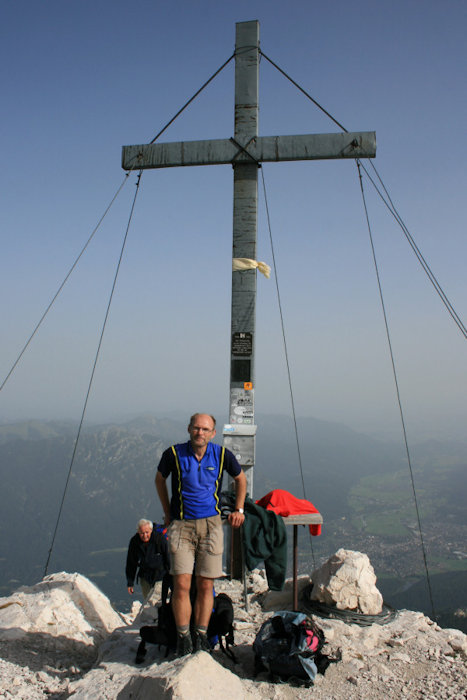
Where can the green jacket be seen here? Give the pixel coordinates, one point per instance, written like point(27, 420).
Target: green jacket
point(265, 539)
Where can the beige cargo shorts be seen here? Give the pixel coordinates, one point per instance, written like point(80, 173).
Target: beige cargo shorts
point(196, 543)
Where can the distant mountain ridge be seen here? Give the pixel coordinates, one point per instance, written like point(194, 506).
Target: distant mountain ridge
point(112, 486)
point(34, 430)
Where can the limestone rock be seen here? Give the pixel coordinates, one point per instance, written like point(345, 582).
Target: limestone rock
point(457, 641)
point(257, 581)
point(283, 600)
point(190, 678)
point(201, 676)
point(347, 580)
point(62, 606)
point(410, 656)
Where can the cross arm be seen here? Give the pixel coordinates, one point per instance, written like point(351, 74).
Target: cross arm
point(361, 144)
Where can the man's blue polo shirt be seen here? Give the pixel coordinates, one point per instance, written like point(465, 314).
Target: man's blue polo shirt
point(196, 486)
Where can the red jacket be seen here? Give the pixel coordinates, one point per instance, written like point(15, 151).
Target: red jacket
point(283, 503)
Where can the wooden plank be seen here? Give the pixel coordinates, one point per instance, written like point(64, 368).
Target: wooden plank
point(306, 519)
point(361, 144)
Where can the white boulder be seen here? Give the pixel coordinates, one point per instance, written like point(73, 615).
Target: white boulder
point(347, 581)
point(61, 606)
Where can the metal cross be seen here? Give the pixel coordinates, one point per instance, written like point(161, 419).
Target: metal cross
point(245, 151)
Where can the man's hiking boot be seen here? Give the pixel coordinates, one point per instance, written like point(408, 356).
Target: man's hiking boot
point(184, 645)
point(201, 642)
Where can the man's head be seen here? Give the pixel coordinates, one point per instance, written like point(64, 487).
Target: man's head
point(145, 529)
point(202, 429)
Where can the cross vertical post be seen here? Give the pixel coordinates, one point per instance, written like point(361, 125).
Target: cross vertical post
point(239, 435)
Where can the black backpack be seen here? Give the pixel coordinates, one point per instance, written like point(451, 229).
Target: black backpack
point(164, 633)
point(288, 645)
point(221, 625)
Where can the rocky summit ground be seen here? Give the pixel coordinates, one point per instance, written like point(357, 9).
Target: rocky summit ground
point(62, 639)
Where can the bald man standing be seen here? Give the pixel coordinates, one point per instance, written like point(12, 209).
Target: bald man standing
point(196, 540)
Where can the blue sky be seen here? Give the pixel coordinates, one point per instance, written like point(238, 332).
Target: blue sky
point(80, 79)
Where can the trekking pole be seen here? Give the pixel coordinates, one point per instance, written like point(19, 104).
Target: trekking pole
point(245, 593)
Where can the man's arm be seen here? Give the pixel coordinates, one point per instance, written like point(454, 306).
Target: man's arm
point(236, 519)
point(162, 492)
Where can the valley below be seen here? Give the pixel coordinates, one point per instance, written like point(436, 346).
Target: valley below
point(360, 486)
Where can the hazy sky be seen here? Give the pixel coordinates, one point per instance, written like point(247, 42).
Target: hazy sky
point(80, 79)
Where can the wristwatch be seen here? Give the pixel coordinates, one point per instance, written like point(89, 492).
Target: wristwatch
point(239, 510)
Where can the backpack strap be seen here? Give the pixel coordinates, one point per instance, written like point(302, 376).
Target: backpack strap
point(166, 586)
point(226, 649)
point(219, 478)
point(179, 479)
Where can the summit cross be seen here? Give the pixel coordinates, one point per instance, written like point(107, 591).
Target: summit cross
point(245, 151)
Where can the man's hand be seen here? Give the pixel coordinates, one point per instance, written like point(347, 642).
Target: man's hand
point(236, 519)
